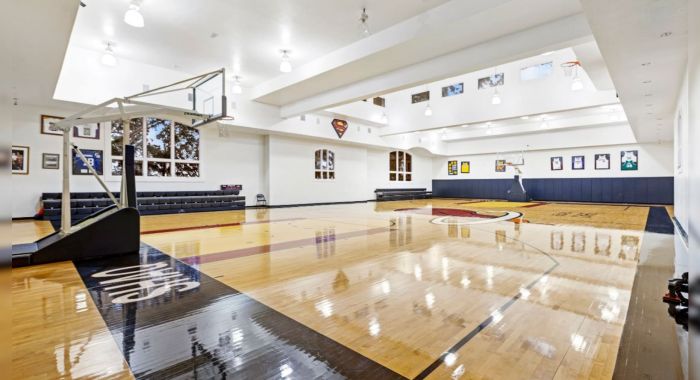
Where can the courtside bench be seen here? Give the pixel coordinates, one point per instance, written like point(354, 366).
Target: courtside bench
point(402, 194)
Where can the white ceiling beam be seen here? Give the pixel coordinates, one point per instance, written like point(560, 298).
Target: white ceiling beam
point(554, 35)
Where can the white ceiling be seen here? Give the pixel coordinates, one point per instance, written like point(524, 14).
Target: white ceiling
point(37, 34)
point(249, 34)
point(646, 66)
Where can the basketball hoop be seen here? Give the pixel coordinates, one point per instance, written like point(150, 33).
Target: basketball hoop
point(570, 66)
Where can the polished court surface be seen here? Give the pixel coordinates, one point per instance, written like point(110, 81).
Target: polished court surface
point(401, 289)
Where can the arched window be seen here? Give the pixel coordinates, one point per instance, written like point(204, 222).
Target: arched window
point(400, 166)
point(325, 164)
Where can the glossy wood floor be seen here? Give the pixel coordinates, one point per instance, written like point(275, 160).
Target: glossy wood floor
point(550, 294)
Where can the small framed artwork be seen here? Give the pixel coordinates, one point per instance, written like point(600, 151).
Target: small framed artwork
point(452, 90)
point(87, 131)
point(500, 166)
point(20, 160)
point(46, 125)
point(452, 167)
point(420, 97)
point(629, 160)
point(494, 80)
point(464, 167)
point(578, 162)
point(602, 161)
point(556, 163)
point(93, 157)
point(50, 161)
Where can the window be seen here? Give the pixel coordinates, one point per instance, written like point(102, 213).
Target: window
point(171, 149)
point(536, 72)
point(400, 166)
point(325, 164)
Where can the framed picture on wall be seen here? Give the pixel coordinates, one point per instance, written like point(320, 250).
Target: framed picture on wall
point(629, 160)
point(452, 167)
point(500, 166)
point(46, 125)
point(497, 79)
point(556, 163)
point(602, 161)
point(93, 157)
point(50, 161)
point(578, 162)
point(20, 160)
point(464, 167)
point(420, 97)
point(87, 131)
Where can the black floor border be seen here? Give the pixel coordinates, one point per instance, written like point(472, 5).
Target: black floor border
point(313, 354)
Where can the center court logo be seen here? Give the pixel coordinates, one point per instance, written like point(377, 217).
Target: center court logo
point(142, 282)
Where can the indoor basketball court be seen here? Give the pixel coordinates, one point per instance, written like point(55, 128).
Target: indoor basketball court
point(433, 189)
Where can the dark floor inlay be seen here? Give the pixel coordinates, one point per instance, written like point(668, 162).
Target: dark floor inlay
point(172, 321)
point(658, 221)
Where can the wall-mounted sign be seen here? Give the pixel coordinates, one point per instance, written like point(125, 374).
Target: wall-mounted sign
point(340, 126)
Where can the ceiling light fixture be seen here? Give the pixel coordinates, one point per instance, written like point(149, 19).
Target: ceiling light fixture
point(236, 88)
point(576, 83)
point(384, 119)
point(428, 111)
point(108, 58)
point(133, 15)
point(363, 20)
point(524, 117)
point(286, 64)
point(496, 98)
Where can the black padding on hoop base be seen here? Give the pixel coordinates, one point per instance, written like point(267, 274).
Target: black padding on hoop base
point(516, 193)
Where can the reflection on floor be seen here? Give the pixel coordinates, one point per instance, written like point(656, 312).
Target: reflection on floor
point(544, 296)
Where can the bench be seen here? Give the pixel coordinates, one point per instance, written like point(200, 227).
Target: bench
point(148, 203)
point(402, 194)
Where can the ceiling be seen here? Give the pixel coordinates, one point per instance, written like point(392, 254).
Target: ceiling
point(37, 44)
point(644, 44)
point(241, 35)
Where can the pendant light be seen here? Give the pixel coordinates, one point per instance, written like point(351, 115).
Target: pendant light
point(496, 98)
point(108, 58)
point(286, 64)
point(133, 15)
point(428, 111)
point(236, 88)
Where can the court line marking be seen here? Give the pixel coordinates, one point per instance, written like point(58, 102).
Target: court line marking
point(485, 323)
point(177, 229)
point(508, 216)
point(269, 248)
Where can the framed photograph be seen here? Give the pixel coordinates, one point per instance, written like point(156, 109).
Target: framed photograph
point(420, 97)
point(490, 81)
point(47, 128)
point(556, 163)
point(20, 160)
point(578, 162)
point(602, 161)
point(451, 90)
point(94, 157)
point(50, 161)
point(500, 166)
point(87, 131)
point(452, 167)
point(629, 160)
point(464, 167)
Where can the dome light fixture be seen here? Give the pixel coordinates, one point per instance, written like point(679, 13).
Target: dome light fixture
point(496, 98)
point(428, 111)
point(133, 15)
point(286, 64)
point(108, 58)
point(236, 88)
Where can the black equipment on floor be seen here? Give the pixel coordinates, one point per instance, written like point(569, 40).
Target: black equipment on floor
point(114, 230)
point(677, 300)
point(516, 193)
point(402, 194)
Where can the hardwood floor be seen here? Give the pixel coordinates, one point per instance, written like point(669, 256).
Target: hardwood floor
point(544, 296)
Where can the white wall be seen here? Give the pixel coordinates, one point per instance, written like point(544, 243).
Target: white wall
point(655, 160)
point(359, 171)
point(236, 159)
